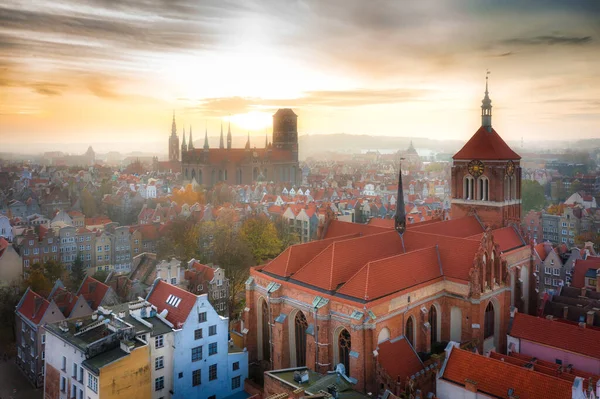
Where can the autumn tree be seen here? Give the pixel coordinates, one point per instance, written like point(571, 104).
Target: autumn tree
point(188, 196)
point(260, 235)
point(53, 270)
point(533, 196)
point(285, 233)
point(181, 241)
point(37, 280)
point(588, 236)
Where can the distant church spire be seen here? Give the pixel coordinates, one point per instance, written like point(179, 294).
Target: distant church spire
point(191, 142)
point(173, 126)
point(400, 218)
point(229, 136)
point(486, 107)
point(221, 143)
point(248, 142)
point(266, 139)
point(184, 145)
point(206, 139)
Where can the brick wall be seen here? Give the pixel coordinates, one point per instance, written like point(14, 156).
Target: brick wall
point(51, 383)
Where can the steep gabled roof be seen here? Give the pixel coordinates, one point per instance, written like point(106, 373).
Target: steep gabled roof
point(555, 334)
point(494, 377)
point(340, 229)
point(486, 145)
point(581, 268)
point(178, 311)
point(399, 359)
point(33, 306)
point(93, 291)
point(461, 227)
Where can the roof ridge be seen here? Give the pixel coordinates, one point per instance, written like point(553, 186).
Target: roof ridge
point(368, 265)
point(287, 263)
point(331, 264)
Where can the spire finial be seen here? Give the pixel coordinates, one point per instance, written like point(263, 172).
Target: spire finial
point(248, 142)
point(221, 142)
point(173, 126)
point(486, 106)
point(400, 218)
point(206, 138)
point(229, 134)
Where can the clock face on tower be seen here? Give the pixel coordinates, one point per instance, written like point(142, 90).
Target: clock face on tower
point(476, 168)
point(510, 168)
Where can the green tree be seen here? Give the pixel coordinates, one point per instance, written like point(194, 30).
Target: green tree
point(181, 240)
point(285, 233)
point(53, 270)
point(78, 273)
point(260, 235)
point(575, 187)
point(88, 204)
point(533, 196)
point(9, 298)
point(101, 275)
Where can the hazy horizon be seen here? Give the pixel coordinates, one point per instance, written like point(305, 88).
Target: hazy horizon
point(97, 72)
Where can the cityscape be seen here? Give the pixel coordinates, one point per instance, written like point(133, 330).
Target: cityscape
point(423, 226)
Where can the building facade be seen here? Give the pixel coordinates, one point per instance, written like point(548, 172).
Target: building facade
point(205, 365)
point(277, 161)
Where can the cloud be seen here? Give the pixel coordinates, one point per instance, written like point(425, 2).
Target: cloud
point(545, 40)
point(48, 89)
point(220, 107)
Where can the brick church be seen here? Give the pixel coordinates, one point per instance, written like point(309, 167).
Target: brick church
point(276, 162)
point(339, 299)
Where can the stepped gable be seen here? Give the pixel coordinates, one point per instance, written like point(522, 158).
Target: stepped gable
point(555, 334)
point(296, 256)
point(507, 238)
point(386, 276)
point(486, 145)
point(177, 315)
point(495, 378)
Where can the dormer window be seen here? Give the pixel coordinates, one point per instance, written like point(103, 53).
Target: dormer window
point(173, 300)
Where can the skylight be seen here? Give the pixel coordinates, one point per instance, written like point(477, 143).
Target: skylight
point(173, 300)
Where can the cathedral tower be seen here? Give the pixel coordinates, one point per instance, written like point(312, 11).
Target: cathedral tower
point(486, 175)
point(174, 142)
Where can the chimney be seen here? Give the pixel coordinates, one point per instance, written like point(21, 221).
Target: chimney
point(589, 320)
point(565, 312)
point(470, 385)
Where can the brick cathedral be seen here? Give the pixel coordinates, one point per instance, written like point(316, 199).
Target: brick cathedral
point(277, 161)
point(363, 289)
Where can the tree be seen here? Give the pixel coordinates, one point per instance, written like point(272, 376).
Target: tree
point(575, 188)
point(88, 204)
point(9, 298)
point(78, 273)
point(260, 235)
point(53, 270)
point(285, 233)
point(37, 280)
point(588, 236)
point(181, 240)
point(100, 275)
point(533, 195)
point(188, 196)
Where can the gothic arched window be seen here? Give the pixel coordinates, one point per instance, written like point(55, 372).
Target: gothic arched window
point(488, 326)
point(344, 347)
point(300, 325)
point(433, 324)
point(410, 331)
point(483, 189)
point(468, 188)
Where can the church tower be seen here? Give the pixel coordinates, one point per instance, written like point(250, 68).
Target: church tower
point(173, 142)
point(486, 175)
point(285, 131)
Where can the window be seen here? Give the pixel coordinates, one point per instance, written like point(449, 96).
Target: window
point(174, 280)
point(555, 282)
point(99, 249)
point(198, 333)
point(344, 348)
point(159, 362)
point(212, 349)
point(64, 364)
point(212, 372)
point(556, 272)
point(212, 330)
point(80, 374)
point(410, 331)
point(43, 355)
point(74, 373)
point(50, 240)
point(93, 383)
point(564, 232)
point(547, 270)
point(159, 383)
point(82, 247)
point(488, 326)
point(548, 281)
point(73, 391)
point(158, 342)
point(235, 382)
point(202, 317)
point(106, 247)
point(300, 326)
point(235, 366)
point(180, 374)
point(196, 378)
point(63, 384)
point(196, 353)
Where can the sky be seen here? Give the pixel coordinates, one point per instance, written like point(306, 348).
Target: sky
point(112, 72)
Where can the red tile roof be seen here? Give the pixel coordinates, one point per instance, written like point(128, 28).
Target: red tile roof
point(386, 276)
point(93, 291)
point(65, 300)
point(581, 268)
point(461, 227)
point(494, 377)
point(399, 359)
point(506, 237)
point(540, 249)
point(207, 271)
point(557, 335)
point(385, 223)
point(176, 315)
point(33, 307)
point(486, 146)
point(339, 229)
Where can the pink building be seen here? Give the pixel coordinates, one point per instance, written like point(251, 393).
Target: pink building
point(557, 341)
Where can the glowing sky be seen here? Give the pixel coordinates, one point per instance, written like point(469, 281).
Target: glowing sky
point(88, 71)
